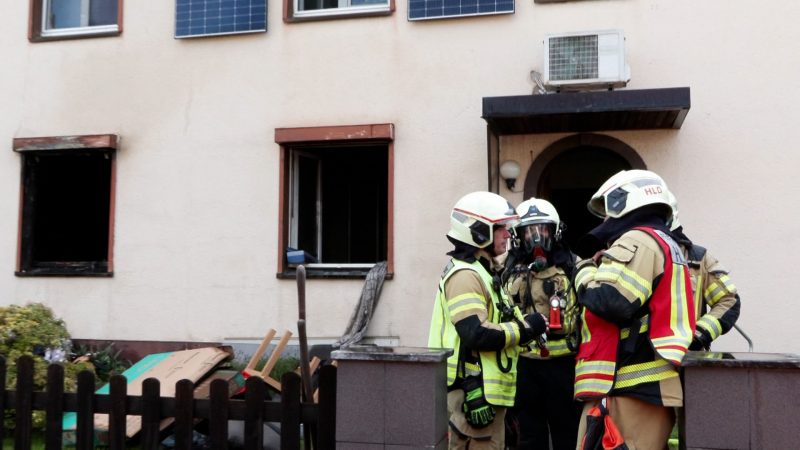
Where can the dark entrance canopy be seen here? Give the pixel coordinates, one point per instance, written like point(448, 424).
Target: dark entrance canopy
point(580, 112)
point(643, 109)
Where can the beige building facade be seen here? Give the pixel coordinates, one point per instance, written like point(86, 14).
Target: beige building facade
point(351, 138)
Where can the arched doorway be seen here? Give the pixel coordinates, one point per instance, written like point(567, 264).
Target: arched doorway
point(569, 171)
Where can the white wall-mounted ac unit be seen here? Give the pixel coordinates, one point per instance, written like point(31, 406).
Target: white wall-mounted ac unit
point(585, 60)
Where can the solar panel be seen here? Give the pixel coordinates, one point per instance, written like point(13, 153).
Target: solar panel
point(214, 17)
point(441, 9)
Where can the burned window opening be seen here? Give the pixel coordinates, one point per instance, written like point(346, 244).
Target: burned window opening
point(66, 207)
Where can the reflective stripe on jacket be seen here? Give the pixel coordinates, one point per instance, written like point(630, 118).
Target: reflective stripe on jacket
point(672, 315)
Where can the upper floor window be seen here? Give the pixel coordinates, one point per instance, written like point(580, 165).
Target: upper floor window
point(66, 210)
point(297, 10)
point(61, 19)
point(336, 194)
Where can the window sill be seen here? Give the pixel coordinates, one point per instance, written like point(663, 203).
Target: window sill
point(76, 269)
point(65, 35)
point(333, 14)
point(291, 274)
point(62, 273)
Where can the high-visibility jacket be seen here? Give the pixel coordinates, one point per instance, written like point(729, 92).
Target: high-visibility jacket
point(668, 327)
point(499, 384)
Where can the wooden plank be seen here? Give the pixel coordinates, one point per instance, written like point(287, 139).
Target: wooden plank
point(54, 411)
point(24, 407)
point(95, 141)
point(333, 363)
point(84, 434)
point(326, 414)
point(290, 411)
point(117, 416)
point(251, 366)
point(218, 420)
point(151, 414)
point(273, 383)
point(254, 413)
point(381, 131)
point(184, 414)
point(276, 354)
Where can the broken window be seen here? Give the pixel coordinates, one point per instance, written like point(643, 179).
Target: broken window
point(66, 211)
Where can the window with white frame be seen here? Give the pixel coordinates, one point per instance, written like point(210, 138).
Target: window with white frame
point(54, 19)
point(320, 9)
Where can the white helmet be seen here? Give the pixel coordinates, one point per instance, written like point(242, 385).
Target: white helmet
point(673, 203)
point(629, 190)
point(539, 224)
point(475, 215)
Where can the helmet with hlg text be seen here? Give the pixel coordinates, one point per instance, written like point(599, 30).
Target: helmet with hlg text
point(539, 224)
point(629, 190)
point(475, 216)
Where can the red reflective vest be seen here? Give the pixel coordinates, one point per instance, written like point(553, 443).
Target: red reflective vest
point(670, 328)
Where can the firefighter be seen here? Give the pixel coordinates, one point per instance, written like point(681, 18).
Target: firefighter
point(537, 282)
point(638, 318)
point(473, 317)
point(716, 300)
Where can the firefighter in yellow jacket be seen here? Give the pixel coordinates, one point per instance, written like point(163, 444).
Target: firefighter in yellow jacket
point(638, 319)
point(536, 280)
point(473, 317)
point(716, 299)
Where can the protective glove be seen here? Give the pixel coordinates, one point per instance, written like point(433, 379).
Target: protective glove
point(701, 340)
point(478, 412)
point(537, 323)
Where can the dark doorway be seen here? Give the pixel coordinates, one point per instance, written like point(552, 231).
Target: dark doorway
point(569, 180)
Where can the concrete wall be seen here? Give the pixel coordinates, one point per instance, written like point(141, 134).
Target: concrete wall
point(197, 189)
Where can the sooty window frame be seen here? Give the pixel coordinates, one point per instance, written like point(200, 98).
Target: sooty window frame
point(66, 212)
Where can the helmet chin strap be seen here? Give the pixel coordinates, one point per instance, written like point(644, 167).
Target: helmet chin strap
point(539, 259)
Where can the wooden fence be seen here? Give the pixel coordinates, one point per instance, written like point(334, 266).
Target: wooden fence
point(318, 419)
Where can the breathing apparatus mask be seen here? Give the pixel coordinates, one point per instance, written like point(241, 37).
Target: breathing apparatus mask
point(537, 239)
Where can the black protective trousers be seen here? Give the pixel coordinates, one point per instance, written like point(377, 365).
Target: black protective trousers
point(544, 406)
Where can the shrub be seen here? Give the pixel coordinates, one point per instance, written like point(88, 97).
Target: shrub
point(34, 331)
point(106, 361)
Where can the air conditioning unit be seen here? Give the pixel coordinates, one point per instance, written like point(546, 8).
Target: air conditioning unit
point(585, 61)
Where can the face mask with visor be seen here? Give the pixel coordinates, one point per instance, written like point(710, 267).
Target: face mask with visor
point(537, 235)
